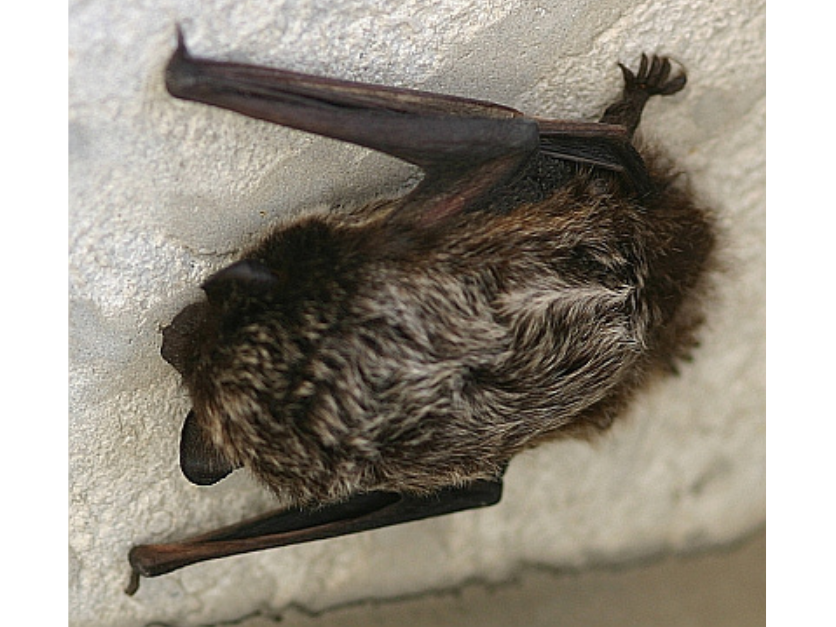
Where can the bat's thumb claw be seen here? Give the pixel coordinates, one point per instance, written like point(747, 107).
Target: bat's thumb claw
point(181, 41)
point(133, 584)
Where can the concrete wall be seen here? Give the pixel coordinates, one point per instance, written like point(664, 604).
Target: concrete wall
point(163, 192)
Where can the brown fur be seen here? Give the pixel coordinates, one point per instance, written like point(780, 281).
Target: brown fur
point(390, 358)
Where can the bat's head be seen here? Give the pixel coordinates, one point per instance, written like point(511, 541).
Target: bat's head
point(245, 354)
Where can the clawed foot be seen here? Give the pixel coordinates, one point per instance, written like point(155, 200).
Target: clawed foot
point(652, 77)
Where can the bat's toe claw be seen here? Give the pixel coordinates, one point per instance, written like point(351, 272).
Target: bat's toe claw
point(629, 77)
point(651, 79)
point(654, 77)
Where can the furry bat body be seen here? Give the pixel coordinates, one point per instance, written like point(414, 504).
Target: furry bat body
point(385, 364)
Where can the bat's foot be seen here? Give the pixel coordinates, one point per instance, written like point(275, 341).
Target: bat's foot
point(653, 78)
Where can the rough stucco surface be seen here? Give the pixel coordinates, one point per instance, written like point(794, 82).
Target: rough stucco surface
point(164, 192)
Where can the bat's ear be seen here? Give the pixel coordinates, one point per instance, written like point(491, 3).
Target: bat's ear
point(243, 277)
point(200, 461)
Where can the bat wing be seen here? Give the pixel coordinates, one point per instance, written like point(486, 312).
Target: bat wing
point(362, 512)
point(465, 147)
point(606, 146)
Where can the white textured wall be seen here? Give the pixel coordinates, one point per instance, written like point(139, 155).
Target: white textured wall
point(164, 192)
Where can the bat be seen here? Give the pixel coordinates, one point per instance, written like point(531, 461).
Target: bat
point(384, 364)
